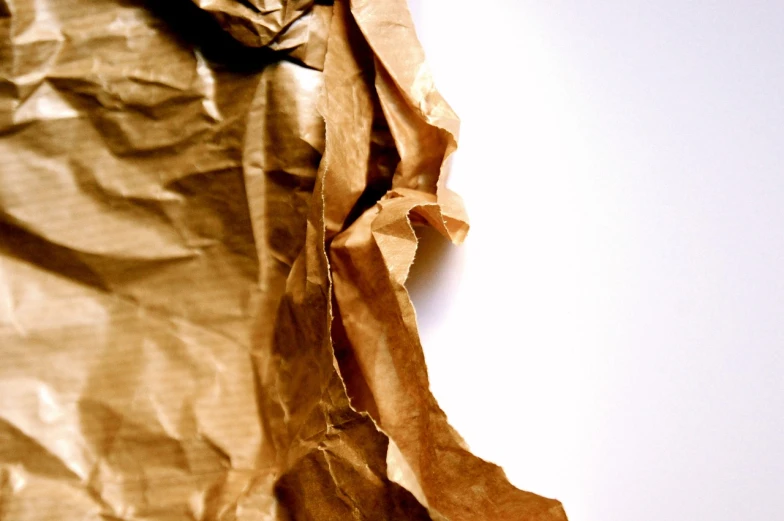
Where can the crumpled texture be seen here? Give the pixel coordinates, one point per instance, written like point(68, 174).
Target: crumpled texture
point(297, 27)
point(207, 215)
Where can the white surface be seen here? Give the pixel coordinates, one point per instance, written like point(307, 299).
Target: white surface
point(612, 331)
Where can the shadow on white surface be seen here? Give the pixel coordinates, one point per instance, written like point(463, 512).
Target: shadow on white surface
point(615, 339)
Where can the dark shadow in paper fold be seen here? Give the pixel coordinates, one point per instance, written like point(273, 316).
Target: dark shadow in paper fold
point(197, 28)
point(59, 260)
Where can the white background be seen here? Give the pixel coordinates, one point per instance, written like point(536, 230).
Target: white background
point(612, 331)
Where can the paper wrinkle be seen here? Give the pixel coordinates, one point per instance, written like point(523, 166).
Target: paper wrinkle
point(259, 24)
point(207, 213)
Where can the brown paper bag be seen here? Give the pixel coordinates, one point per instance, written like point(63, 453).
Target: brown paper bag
point(206, 225)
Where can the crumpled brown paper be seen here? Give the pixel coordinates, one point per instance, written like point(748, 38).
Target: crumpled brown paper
point(206, 225)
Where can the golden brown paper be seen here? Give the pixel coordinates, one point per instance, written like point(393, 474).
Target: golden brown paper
point(206, 225)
